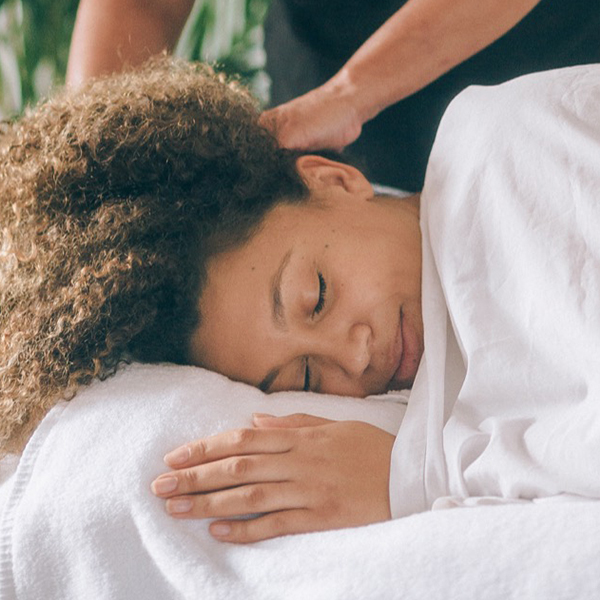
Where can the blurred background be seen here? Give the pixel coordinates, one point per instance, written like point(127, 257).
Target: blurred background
point(35, 37)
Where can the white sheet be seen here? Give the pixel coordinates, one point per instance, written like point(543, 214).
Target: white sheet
point(82, 523)
point(507, 401)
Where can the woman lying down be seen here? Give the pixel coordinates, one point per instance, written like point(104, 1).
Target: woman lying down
point(148, 217)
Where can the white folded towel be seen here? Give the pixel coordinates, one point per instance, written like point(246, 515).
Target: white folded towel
point(81, 522)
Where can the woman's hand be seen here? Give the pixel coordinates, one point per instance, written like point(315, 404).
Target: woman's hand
point(301, 473)
point(324, 118)
point(420, 42)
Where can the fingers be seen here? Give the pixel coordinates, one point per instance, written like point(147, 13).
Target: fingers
point(274, 524)
point(295, 420)
point(225, 473)
point(243, 441)
point(237, 442)
point(301, 473)
point(268, 120)
point(243, 500)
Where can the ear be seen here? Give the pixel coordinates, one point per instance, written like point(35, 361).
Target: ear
point(322, 174)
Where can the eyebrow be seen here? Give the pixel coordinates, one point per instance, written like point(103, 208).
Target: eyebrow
point(276, 302)
point(278, 312)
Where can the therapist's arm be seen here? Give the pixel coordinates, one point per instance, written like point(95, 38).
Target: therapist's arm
point(419, 43)
point(110, 34)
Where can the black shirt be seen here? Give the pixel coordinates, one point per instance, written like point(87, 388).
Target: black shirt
point(308, 41)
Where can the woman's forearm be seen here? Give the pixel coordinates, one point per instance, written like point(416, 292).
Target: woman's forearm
point(418, 44)
point(109, 34)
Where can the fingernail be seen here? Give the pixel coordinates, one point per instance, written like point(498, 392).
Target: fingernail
point(178, 456)
point(262, 416)
point(179, 505)
point(164, 485)
point(220, 529)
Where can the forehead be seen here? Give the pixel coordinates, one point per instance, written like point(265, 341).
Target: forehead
point(236, 303)
point(283, 226)
point(237, 300)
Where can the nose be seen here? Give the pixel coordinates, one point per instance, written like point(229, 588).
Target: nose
point(354, 353)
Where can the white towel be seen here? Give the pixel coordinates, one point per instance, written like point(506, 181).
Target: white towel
point(81, 522)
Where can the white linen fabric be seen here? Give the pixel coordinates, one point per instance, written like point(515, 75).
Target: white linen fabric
point(80, 521)
point(506, 404)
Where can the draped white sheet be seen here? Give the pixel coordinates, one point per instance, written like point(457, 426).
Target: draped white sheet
point(507, 400)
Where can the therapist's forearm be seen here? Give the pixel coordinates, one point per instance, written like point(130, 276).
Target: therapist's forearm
point(419, 43)
point(110, 34)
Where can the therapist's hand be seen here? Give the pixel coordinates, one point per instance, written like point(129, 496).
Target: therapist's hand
point(323, 119)
point(300, 473)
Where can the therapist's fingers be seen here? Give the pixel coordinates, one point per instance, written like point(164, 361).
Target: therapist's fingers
point(321, 118)
point(236, 442)
point(225, 473)
point(243, 500)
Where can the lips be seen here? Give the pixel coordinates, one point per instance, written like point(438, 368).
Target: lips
point(397, 354)
point(397, 377)
point(407, 356)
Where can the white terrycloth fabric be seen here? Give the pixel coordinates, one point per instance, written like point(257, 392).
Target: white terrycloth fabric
point(80, 520)
point(507, 400)
point(81, 523)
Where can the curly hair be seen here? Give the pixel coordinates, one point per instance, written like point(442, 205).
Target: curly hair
point(112, 199)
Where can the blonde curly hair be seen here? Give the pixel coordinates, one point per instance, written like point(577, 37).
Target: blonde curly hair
point(112, 198)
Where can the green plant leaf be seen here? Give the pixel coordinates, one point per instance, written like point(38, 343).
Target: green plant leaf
point(41, 42)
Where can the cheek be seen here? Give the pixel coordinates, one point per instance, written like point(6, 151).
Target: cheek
point(384, 281)
point(372, 274)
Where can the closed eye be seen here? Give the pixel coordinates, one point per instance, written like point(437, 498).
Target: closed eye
point(322, 292)
point(306, 386)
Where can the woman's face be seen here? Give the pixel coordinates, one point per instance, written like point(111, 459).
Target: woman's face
point(325, 297)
